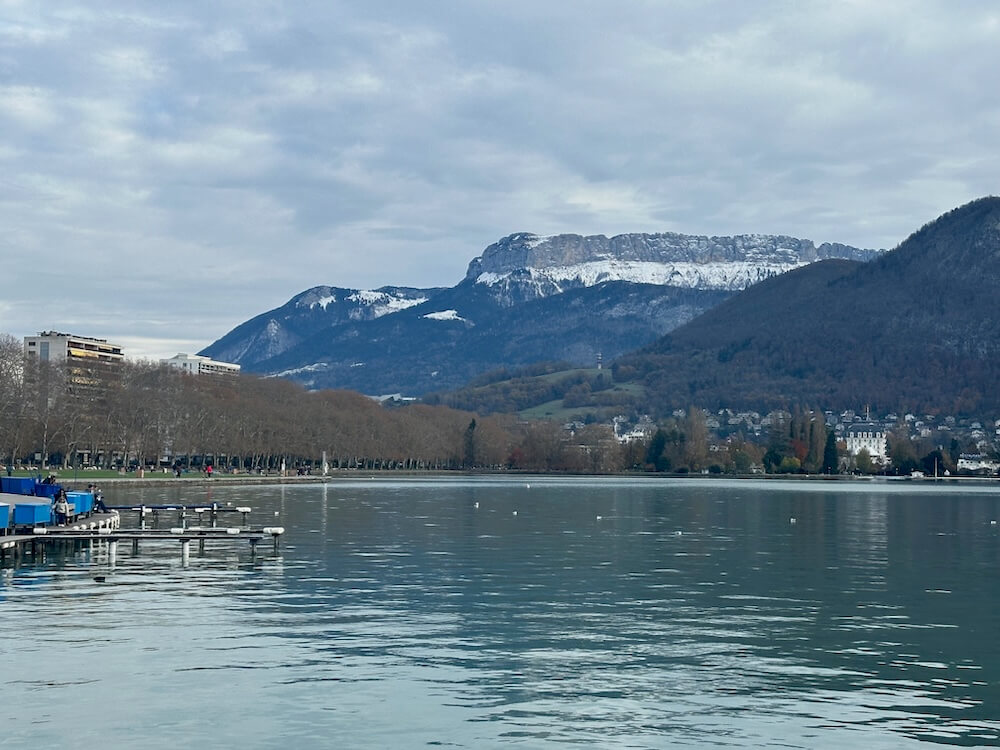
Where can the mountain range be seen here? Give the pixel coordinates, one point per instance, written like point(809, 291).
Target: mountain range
point(525, 299)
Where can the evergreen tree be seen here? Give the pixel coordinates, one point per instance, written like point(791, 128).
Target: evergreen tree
point(654, 454)
point(830, 462)
point(469, 459)
point(817, 443)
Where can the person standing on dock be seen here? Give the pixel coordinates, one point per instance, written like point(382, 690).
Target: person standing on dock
point(61, 507)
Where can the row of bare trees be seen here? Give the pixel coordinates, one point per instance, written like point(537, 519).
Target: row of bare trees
point(147, 414)
point(144, 413)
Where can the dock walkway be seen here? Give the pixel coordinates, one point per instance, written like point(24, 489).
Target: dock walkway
point(105, 527)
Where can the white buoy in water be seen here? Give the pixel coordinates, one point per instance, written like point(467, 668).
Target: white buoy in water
point(477, 505)
point(599, 518)
point(678, 533)
point(791, 520)
point(528, 486)
point(993, 523)
point(515, 512)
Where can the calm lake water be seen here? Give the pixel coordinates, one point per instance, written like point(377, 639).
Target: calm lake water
point(534, 613)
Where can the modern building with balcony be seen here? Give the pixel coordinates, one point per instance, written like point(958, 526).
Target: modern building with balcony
point(86, 362)
point(51, 346)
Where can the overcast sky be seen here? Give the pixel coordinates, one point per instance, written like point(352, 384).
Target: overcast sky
point(171, 169)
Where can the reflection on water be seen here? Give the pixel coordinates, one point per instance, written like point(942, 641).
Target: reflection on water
point(488, 612)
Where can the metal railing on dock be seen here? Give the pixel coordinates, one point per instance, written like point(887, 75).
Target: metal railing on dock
point(211, 511)
point(105, 528)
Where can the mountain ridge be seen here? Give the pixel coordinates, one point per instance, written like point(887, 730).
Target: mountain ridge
point(334, 337)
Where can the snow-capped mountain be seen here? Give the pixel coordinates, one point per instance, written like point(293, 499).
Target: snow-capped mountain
point(314, 310)
point(525, 299)
point(525, 266)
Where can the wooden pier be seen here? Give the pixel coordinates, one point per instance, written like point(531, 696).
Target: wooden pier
point(105, 528)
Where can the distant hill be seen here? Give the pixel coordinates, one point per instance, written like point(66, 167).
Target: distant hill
point(525, 299)
point(916, 329)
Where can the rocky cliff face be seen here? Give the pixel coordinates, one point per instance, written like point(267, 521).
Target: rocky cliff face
point(525, 266)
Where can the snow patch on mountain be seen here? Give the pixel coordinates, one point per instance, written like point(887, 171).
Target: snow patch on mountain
point(524, 266)
point(382, 303)
point(316, 367)
point(444, 315)
point(728, 276)
point(366, 303)
point(533, 240)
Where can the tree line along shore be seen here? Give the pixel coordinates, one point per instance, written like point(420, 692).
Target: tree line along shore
point(148, 416)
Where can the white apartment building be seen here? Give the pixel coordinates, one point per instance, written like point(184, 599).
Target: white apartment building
point(868, 436)
point(195, 364)
point(52, 346)
point(85, 363)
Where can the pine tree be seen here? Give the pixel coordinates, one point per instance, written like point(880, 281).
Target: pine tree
point(654, 453)
point(830, 461)
point(470, 445)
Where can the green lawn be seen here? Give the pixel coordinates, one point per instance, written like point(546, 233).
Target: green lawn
point(88, 475)
point(556, 411)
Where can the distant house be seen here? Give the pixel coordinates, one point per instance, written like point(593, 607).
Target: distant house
point(197, 365)
point(869, 436)
point(977, 464)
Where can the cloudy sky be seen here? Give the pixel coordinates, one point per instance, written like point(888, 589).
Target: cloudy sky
point(171, 169)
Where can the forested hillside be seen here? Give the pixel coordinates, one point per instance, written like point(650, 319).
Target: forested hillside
point(913, 330)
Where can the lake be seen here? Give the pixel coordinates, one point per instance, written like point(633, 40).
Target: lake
point(525, 612)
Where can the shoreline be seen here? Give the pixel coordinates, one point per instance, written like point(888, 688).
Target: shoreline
point(352, 474)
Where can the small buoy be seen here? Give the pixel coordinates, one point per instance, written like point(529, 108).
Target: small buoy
point(677, 533)
point(791, 520)
point(993, 523)
point(515, 512)
point(99, 579)
point(528, 486)
point(477, 505)
point(599, 518)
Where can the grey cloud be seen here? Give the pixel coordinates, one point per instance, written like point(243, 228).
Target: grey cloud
point(200, 163)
